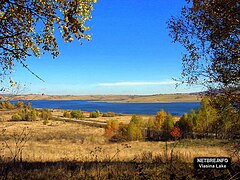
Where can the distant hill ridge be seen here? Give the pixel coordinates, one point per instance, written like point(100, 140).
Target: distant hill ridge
point(179, 97)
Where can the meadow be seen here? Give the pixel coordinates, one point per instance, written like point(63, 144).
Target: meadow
point(67, 149)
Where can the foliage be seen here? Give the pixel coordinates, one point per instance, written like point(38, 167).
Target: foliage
point(137, 120)
point(67, 114)
point(2, 105)
point(209, 31)
point(95, 114)
point(28, 28)
point(27, 114)
point(160, 117)
point(150, 123)
point(16, 117)
point(206, 115)
point(77, 114)
point(167, 126)
point(20, 104)
point(8, 105)
point(45, 114)
point(176, 132)
point(109, 114)
point(111, 128)
point(185, 124)
point(114, 124)
point(134, 132)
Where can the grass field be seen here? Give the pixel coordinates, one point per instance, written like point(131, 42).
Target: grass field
point(58, 140)
point(56, 149)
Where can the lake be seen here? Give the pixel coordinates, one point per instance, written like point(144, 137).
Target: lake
point(175, 108)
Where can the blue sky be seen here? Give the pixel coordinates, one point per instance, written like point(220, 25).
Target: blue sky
point(130, 53)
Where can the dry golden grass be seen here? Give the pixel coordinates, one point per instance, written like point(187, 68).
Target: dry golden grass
point(60, 140)
point(118, 98)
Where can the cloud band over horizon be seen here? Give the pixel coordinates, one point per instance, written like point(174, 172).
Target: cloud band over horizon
point(136, 83)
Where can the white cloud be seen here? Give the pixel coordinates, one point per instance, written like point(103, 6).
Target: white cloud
point(137, 83)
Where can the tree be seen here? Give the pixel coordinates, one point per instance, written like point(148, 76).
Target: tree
point(160, 116)
point(167, 126)
point(206, 115)
point(28, 27)
point(209, 31)
point(134, 132)
point(176, 132)
point(137, 120)
point(185, 124)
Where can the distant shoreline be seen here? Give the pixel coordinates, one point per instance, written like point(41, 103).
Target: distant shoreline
point(158, 98)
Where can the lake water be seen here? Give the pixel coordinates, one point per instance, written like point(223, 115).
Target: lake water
point(175, 108)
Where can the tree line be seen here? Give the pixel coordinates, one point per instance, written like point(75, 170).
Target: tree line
point(208, 121)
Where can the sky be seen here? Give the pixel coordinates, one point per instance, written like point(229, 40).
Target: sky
point(131, 52)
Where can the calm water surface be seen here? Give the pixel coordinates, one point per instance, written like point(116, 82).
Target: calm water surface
point(176, 108)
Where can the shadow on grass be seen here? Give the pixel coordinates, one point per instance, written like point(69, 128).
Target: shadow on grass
point(112, 170)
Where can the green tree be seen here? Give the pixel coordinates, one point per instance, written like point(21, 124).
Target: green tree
point(28, 28)
point(134, 132)
point(167, 126)
point(192, 116)
point(137, 120)
point(185, 124)
point(206, 115)
point(150, 123)
point(209, 31)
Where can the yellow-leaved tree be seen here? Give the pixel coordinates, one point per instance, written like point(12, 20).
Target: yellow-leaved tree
point(27, 28)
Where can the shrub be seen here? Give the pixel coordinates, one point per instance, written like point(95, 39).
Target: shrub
point(67, 114)
point(45, 122)
point(95, 114)
point(20, 104)
point(16, 117)
point(8, 105)
point(109, 114)
point(28, 114)
point(77, 114)
point(46, 114)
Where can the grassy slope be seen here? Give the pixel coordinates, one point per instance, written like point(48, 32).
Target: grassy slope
point(119, 98)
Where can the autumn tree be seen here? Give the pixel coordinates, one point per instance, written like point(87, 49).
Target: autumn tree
point(134, 128)
point(160, 117)
point(27, 28)
point(209, 31)
point(206, 115)
point(176, 132)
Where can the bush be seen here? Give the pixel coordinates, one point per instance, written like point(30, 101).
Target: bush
point(46, 114)
point(109, 114)
point(16, 117)
point(77, 114)
point(20, 104)
point(95, 114)
point(8, 105)
point(67, 114)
